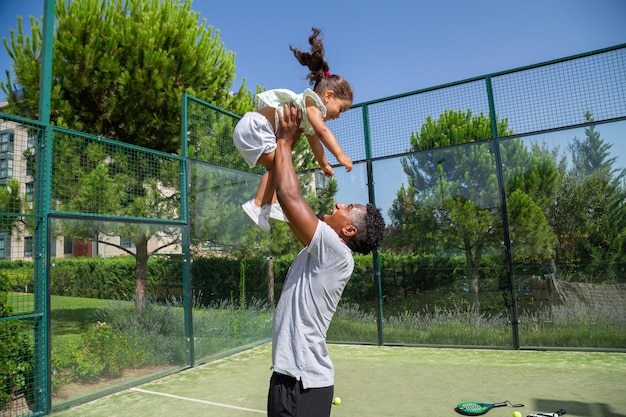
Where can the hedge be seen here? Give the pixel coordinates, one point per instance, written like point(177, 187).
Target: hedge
point(216, 277)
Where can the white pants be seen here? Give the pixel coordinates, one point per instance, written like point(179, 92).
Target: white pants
point(253, 136)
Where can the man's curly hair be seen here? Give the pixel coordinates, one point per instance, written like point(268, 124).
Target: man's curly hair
point(370, 231)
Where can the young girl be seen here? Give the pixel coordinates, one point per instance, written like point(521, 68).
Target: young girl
point(255, 138)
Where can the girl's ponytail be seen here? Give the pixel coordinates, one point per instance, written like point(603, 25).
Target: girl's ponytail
point(319, 72)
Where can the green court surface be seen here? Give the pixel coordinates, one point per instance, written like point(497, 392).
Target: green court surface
point(390, 381)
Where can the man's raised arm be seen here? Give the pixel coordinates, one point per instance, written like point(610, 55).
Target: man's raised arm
point(302, 221)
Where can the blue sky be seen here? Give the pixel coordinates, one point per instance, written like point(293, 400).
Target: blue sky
point(391, 47)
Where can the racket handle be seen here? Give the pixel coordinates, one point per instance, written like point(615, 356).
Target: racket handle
point(555, 414)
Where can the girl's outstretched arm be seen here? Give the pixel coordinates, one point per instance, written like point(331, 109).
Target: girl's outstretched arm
point(327, 137)
point(320, 157)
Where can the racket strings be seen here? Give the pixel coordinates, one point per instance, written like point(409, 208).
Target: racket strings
point(473, 407)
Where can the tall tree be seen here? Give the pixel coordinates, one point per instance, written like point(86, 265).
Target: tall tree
point(589, 214)
point(531, 181)
point(120, 69)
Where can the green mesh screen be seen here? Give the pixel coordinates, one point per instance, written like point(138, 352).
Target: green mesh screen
point(99, 176)
point(224, 282)
point(537, 98)
point(559, 94)
point(391, 121)
point(21, 309)
point(210, 134)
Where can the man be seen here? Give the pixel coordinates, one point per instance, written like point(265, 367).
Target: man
point(302, 383)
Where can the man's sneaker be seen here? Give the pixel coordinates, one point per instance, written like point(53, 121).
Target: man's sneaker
point(259, 215)
point(276, 213)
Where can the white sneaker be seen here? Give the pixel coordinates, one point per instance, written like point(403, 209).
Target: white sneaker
point(259, 215)
point(276, 213)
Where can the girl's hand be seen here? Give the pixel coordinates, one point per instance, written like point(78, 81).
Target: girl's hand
point(327, 169)
point(346, 162)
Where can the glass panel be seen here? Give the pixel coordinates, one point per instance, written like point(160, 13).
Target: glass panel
point(443, 276)
point(116, 313)
point(232, 270)
point(355, 319)
point(571, 293)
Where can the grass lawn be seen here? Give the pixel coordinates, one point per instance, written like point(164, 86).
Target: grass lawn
point(69, 315)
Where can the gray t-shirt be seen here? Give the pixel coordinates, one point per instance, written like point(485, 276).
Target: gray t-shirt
point(310, 295)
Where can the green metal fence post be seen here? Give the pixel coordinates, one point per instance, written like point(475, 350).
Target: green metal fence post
point(372, 199)
point(45, 77)
point(184, 207)
point(42, 345)
point(505, 220)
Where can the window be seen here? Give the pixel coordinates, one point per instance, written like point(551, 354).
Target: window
point(126, 242)
point(30, 189)
point(30, 162)
point(68, 245)
point(31, 142)
point(28, 247)
point(6, 168)
point(3, 241)
point(6, 141)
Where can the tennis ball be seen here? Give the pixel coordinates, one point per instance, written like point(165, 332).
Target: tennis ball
point(337, 401)
point(517, 414)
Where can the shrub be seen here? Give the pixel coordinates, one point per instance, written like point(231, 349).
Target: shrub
point(101, 351)
point(18, 279)
point(16, 357)
point(112, 278)
point(218, 278)
point(93, 277)
point(158, 328)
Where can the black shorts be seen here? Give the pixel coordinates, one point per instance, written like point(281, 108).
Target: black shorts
point(287, 398)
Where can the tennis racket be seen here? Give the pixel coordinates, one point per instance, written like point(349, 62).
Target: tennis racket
point(473, 408)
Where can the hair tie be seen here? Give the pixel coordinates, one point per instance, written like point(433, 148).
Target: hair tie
point(327, 73)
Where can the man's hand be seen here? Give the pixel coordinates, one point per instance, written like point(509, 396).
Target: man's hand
point(288, 128)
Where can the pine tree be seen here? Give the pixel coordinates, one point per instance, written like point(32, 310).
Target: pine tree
point(590, 211)
point(121, 67)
